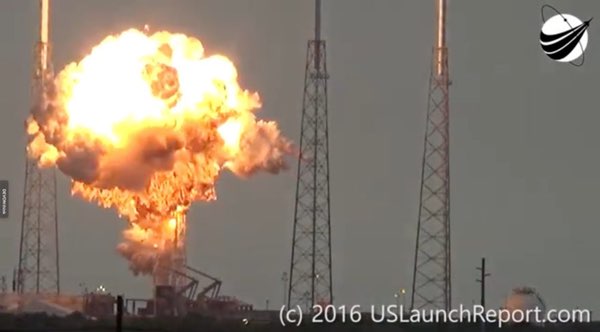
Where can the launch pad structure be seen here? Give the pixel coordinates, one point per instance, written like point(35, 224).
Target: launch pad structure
point(174, 259)
point(311, 280)
point(175, 282)
point(38, 262)
point(431, 288)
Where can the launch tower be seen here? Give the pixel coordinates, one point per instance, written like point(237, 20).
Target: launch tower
point(310, 268)
point(431, 287)
point(38, 270)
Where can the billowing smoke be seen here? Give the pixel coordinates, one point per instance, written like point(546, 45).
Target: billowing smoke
point(145, 124)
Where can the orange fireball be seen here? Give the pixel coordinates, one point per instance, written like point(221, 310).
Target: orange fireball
point(145, 124)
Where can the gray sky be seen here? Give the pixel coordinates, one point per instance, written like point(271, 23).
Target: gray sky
point(523, 148)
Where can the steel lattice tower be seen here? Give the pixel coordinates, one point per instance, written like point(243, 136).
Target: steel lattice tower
point(432, 279)
point(310, 270)
point(38, 251)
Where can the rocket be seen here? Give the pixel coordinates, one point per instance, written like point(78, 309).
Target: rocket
point(43, 48)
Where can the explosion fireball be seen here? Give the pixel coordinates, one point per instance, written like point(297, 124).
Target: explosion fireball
point(145, 124)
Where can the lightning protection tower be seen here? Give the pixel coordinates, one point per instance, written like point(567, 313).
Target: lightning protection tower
point(38, 250)
point(310, 268)
point(431, 287)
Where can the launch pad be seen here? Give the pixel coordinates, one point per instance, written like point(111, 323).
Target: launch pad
point(200, 293)
point(218, 130)
point(178, 289)
point(173, 300)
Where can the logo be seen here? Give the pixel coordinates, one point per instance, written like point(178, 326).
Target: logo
point(3, 199)
point(564, 37)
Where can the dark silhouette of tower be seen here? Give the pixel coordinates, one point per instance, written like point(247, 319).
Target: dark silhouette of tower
point(310, 268)
point(431, 275)
point(481, 280)
point(38, 250)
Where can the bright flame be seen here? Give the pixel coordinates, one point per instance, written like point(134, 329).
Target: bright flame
point(230, 132)
point(172, 224)
point(145, 124)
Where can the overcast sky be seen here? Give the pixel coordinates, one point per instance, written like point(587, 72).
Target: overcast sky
point(524, 157)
